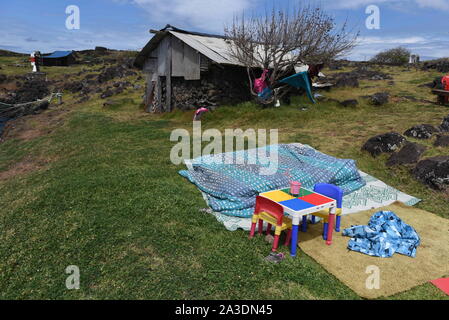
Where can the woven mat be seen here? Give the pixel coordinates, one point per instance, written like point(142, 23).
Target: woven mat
point(398, 273)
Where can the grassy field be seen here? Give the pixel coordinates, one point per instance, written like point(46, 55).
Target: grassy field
point(99, 191)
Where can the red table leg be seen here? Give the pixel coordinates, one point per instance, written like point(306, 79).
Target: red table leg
point(330, 229)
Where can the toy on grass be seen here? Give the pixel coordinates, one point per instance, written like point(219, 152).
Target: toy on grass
point(273, 213)
point(199, 112)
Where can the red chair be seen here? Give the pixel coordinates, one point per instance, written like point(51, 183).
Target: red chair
point(273, 214)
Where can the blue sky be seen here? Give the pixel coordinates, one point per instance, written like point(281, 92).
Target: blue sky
point(25, 26)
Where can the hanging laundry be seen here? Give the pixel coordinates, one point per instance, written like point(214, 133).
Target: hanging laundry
point(300, 80)
point(266, 94)
point(260, 84)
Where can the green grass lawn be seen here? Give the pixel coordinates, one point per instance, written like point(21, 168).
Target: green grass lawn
point(110, 201)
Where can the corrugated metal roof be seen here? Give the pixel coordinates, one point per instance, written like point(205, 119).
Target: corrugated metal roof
point(216, 49)
point(59, 54)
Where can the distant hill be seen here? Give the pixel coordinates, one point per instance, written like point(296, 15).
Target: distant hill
point(7, 53)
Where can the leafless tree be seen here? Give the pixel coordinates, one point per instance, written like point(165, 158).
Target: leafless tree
point(282, 39)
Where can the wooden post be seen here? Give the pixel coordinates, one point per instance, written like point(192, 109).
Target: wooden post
point(168, 68)
point(149, 96)
point(158, 107)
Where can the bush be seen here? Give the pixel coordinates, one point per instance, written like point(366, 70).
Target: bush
point(395, 56)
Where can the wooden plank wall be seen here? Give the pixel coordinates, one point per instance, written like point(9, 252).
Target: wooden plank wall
point(177, 57)
point(191, 63)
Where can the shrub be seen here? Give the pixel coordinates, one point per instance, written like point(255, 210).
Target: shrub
point(395, 56)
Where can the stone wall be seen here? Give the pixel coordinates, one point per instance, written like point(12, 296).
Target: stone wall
point(219, 85)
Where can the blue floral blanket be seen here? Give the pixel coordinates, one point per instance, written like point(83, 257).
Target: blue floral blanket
point(231, 189)
point(384, 235)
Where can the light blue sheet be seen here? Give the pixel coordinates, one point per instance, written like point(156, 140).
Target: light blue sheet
point(231, 189)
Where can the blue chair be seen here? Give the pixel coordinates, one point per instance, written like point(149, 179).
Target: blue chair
point(334, 192)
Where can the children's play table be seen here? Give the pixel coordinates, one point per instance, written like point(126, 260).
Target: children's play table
point(303, 204)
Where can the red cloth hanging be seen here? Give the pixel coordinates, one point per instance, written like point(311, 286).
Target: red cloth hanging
point(445, 82)
point(260, 83)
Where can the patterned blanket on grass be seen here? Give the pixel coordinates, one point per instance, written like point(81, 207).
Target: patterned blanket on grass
point(231, 189)
point(384, 235)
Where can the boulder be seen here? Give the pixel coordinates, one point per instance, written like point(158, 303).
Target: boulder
point(349, 103)
point(410, 153)
point(441, 65)
point(346, 81)
point(108, 93)
point(433, 172)
point(387, 142)
point(421, 131)
point(112, 72)
point(444, 126)
point(379, 98)
point(442, 141)
point(74, 86)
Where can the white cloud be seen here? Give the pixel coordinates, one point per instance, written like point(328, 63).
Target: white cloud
point(424, 46)
point(434, 4)
point(391, 40)
point(205, 15)
point(354, 4)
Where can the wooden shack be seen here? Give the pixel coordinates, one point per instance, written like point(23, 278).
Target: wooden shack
point(186, 70)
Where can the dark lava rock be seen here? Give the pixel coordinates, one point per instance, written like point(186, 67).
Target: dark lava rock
point(108, 93)
point(441, 65)
point(442, 141)
point(379, 98)
point(28, 91)
point(410, 153)
point(346, 80)
point(444, 126)
point(74, 86)
point(112, 72)
point(422, 131)
point(387, 142)
point(349, 103)
point(433, 172)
